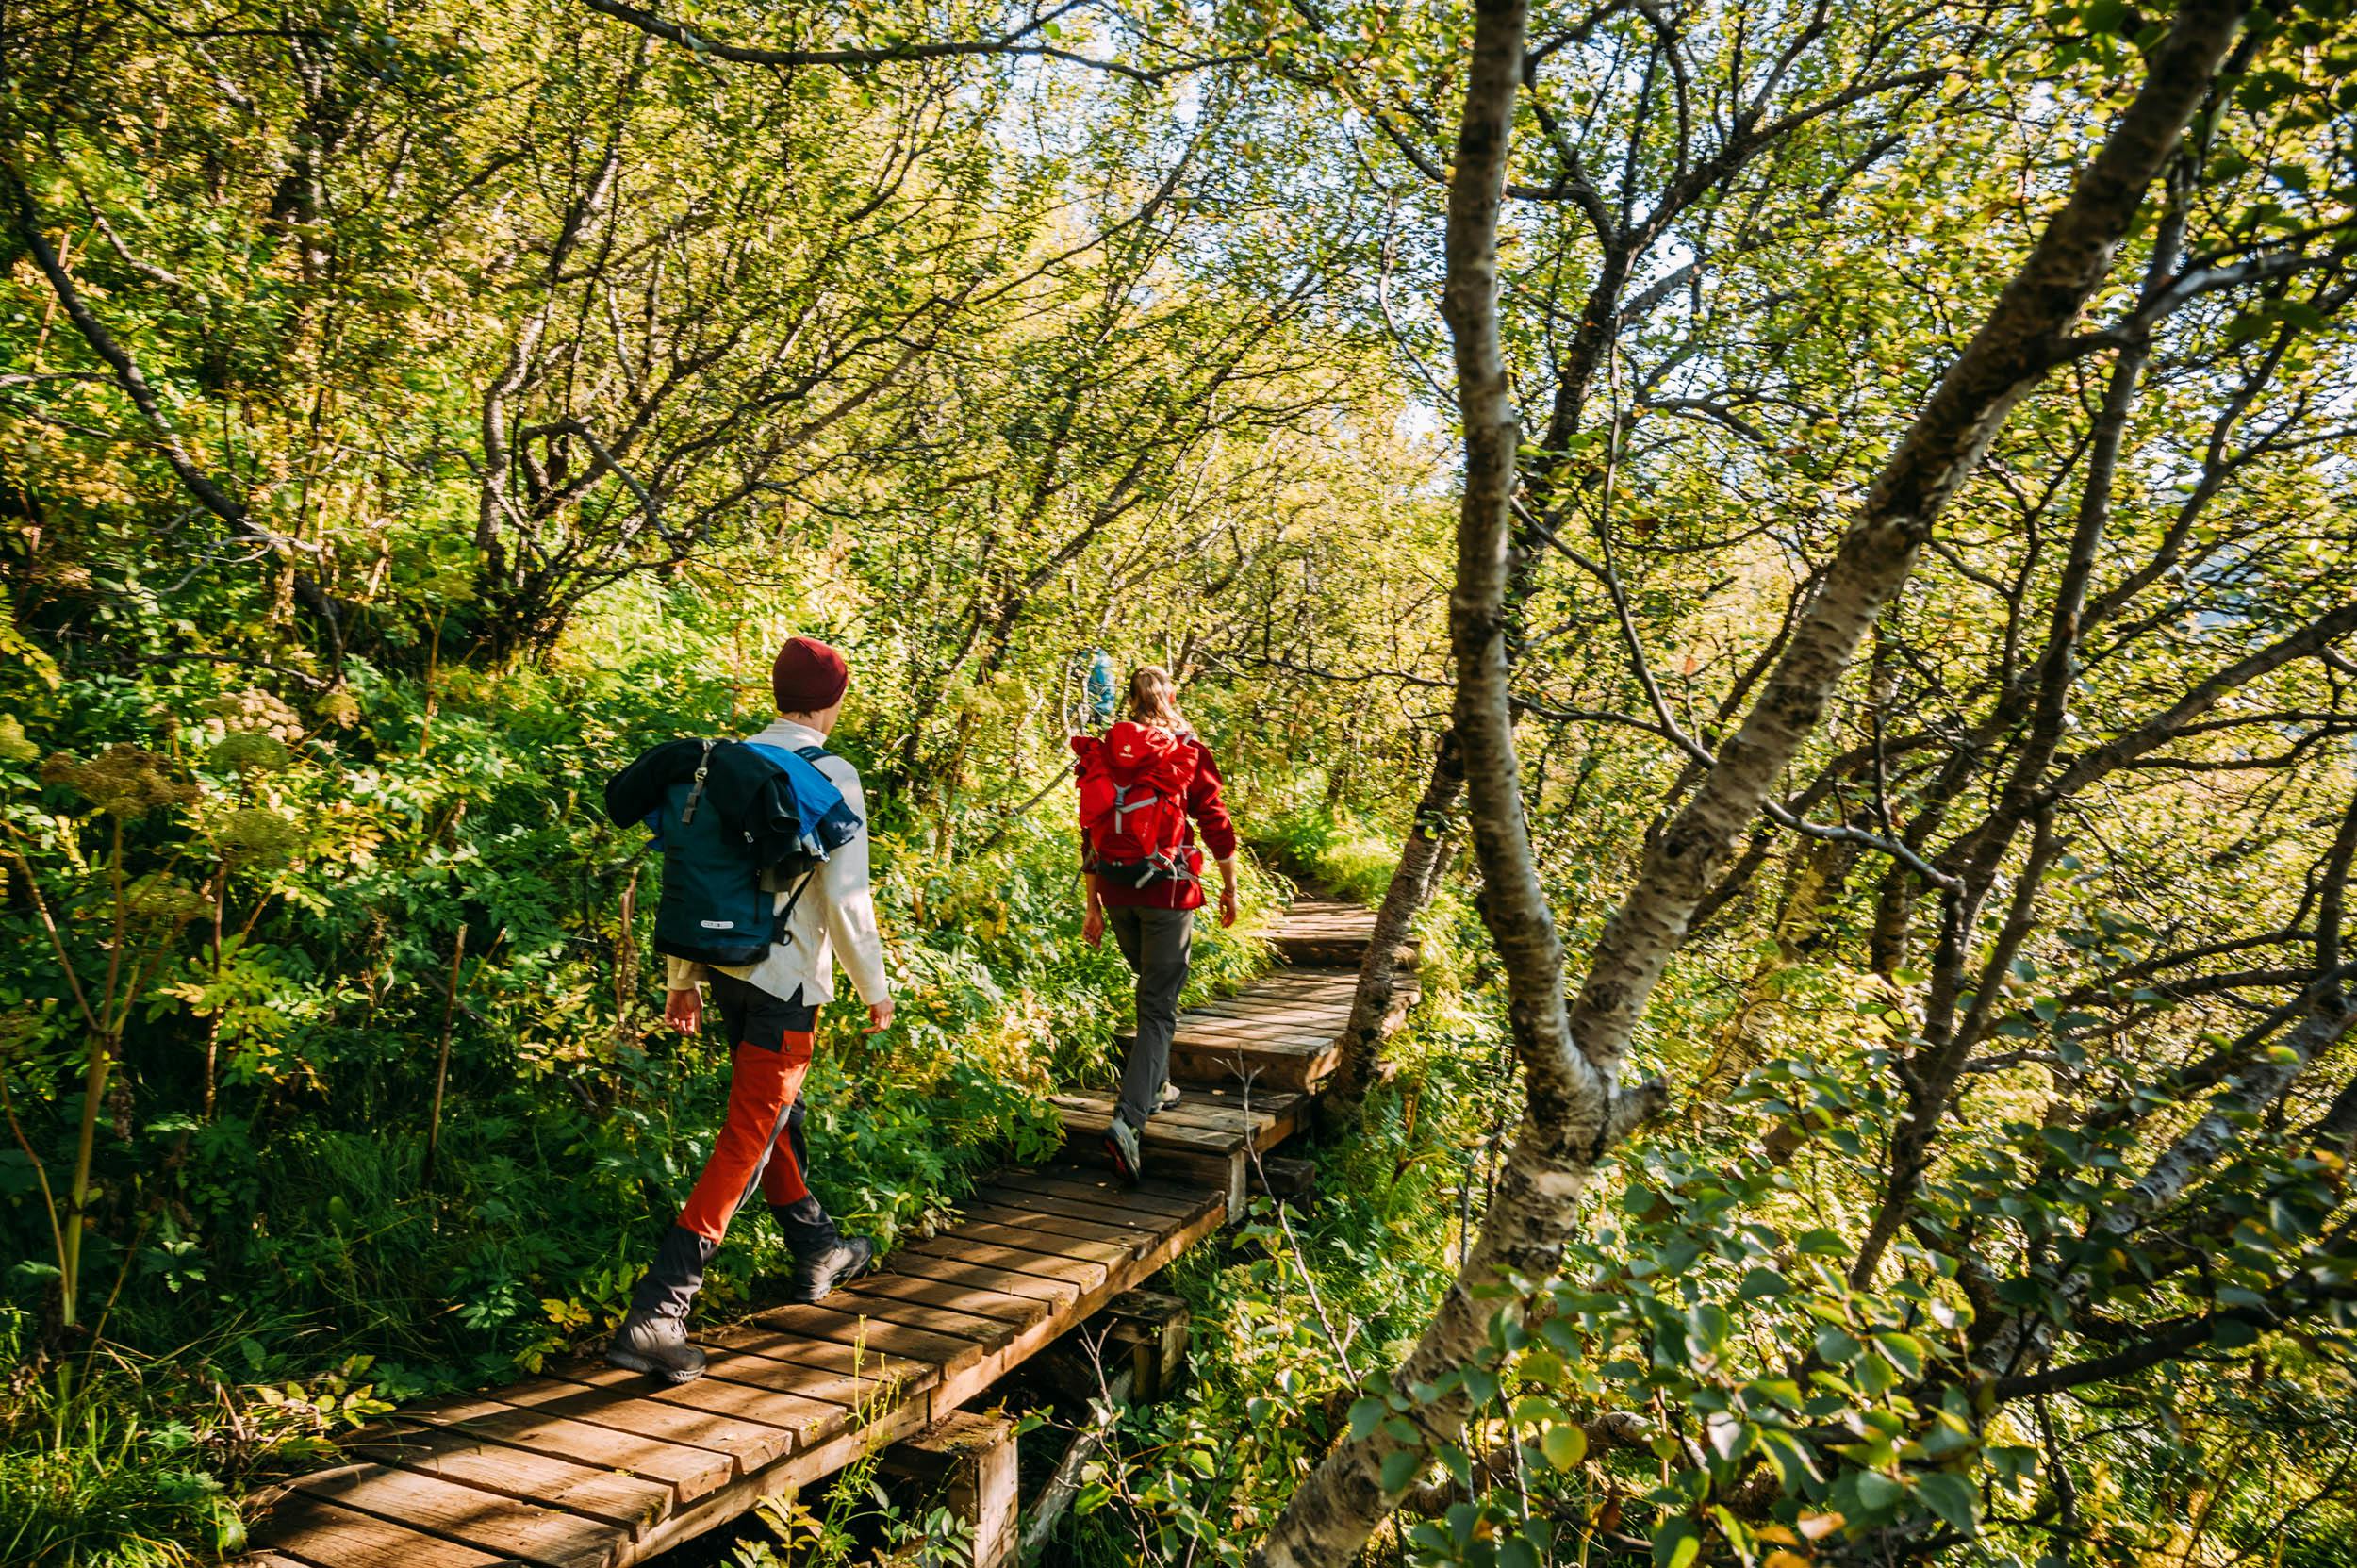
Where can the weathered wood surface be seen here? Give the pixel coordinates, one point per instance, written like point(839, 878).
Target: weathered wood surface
point(589, 1467)
point(1324, 932)
point(970, 1461)
point(1279, 1036)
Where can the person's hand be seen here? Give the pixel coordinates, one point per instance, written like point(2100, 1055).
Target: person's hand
point(1093, 928)
point(685, 1010)
point(879, 1017)
point(1227, 904)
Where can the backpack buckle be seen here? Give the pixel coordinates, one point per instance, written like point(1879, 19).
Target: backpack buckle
point(703, 766)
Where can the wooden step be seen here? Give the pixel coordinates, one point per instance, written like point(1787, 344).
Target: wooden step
point(1267, 1065)
point(1217, 1114)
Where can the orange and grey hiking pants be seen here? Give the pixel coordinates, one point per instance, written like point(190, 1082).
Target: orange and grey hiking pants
point(760, 1145)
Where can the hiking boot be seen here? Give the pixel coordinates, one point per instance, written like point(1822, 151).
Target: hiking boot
point(1121, 1147)
point(656, 1344)
point(1167, 1097)
point(816, 1273)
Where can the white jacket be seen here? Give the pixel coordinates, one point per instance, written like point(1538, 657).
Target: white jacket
point(835, 917)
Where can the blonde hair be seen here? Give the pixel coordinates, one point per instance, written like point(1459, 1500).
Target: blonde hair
point(1154, 699)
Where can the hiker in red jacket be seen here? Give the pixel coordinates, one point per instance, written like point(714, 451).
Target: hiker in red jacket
point(1144, 789)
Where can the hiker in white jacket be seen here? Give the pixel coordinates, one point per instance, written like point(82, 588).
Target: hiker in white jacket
point(771, 1010)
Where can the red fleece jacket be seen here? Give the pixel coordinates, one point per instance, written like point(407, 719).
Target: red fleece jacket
point(1207, 812)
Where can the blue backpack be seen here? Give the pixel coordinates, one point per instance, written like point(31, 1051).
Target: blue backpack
point(723, 867)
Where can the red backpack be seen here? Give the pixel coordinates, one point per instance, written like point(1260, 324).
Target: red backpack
point(1133, 804)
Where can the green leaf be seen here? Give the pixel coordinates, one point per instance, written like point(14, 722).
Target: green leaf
point(1565, 1445)
point(1791, 1456)
point(1399, 1468)
point(1677, 1543)
point(1906, 1351)
point(1950, 1496)
point(2231, 1334)
point(1364, 1413)
point(1878, 1492)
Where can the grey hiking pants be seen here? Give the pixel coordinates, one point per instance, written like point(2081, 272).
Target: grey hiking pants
point(1157, 942)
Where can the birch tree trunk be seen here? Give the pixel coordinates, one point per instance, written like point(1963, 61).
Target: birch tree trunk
point(1373, 1005)
point(1572, 1063)
point(1329, 1519)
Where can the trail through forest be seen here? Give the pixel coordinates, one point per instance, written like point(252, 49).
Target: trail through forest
point(1794, 565)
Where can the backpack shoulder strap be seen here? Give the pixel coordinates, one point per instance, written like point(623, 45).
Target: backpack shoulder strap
point(703, 770)
point(812, 754)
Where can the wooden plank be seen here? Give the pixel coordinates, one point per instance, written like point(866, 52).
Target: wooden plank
point(1321, 952)
point(963, 1384)
point(1234, 1119)
point(1291, 1072)
point(1071, 1182)
point(1129, 1241)
point(1210, 1128)
point(1289, 981)
point(1317, 995)
point(870, 1364)
point(916, 1314)
point(1273, 1010)
point(861, 1398)
point(1264, 1127)
point(1220, 1173)
point(794, 1414)
point(690, 1471)
point(752, 1444)
point(1071, 1208)
point(1278, 998)
point(1308, 1015)
point(626, 1502)
point(1278, 1112)
point(788, 1474)
point(325, 1536)
point(810, 1420)
point(1083, 1125)
point(1225, 1115)
point(1272, 1037)
point(1286, 1070)
point(504, 1527)
point(1229, 1026)
point(1055, 1293)
point(983, 1298)
point(1274, 1102)
point(964, 1245)
point(1032, 1241)
point(874, 1334)
point(1297, 1045)
point(1093, 1111)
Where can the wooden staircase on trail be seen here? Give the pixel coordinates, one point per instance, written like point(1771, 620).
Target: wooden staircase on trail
point(591, 1466)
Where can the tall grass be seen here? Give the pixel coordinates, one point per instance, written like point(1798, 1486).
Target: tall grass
point(1334, 851)
point(90, 1475)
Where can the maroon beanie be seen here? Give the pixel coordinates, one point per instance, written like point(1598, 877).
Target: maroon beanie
point(809, 676)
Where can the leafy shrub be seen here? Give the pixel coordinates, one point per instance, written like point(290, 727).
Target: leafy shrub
point(1334, 849)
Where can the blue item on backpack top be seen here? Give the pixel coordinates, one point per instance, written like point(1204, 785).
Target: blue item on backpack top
point(828, 820)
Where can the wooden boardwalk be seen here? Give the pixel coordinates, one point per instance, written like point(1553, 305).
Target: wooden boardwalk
point(590, 1466)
